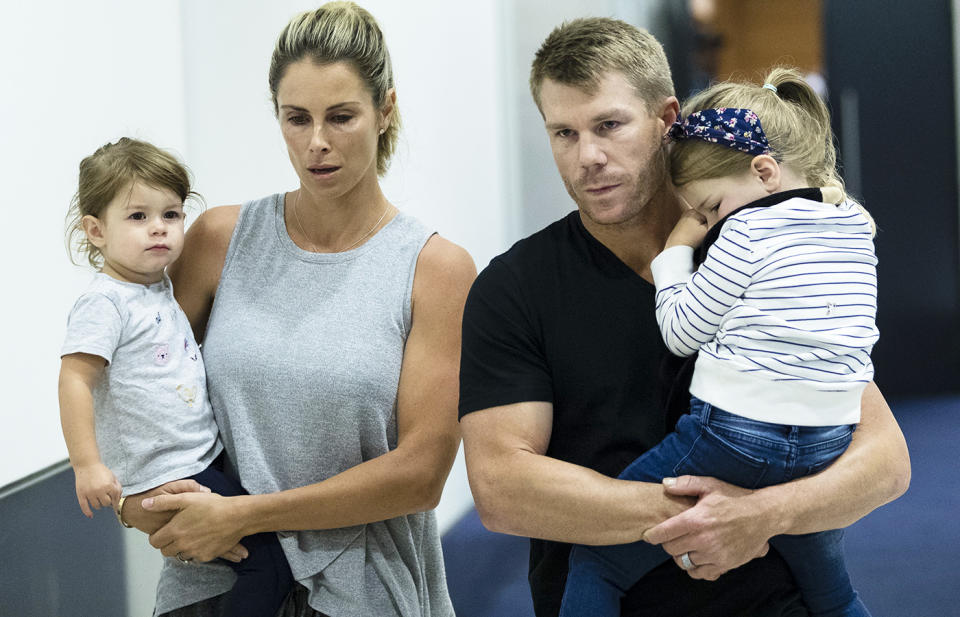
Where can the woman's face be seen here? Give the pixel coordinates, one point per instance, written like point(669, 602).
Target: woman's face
point(331, 126)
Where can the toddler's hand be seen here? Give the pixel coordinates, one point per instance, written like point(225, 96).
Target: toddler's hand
point(97, 487)
point(689, 230)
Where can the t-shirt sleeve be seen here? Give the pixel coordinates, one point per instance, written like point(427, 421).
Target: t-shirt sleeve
point(502, 359)
point(94, 327)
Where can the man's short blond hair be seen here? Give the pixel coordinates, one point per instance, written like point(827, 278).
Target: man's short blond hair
point(580, 52)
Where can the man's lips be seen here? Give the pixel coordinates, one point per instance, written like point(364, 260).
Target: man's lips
point(600, 190)
point(323, 170)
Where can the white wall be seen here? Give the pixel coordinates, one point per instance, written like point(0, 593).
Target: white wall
point(98, 71)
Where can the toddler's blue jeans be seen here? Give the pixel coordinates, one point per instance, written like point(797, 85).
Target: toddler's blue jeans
point(264, 578)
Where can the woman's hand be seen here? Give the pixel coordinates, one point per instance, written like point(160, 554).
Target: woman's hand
point(202, 527)
point(149, 522)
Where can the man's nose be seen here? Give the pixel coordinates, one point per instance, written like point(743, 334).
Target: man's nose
point(591, 153)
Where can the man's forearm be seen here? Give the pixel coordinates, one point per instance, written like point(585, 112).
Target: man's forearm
point(540, 497)
point(873, 471)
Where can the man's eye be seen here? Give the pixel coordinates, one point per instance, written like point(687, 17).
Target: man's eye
point(609, 125)
point(564, 133)
point(715, 208)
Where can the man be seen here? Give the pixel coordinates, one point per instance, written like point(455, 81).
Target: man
point(564, 375)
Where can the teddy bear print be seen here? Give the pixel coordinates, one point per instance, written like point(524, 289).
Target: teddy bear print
point(161, 354)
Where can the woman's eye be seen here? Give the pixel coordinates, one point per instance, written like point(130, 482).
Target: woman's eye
point(715, 208)
point(341, 118)
point(298, 120)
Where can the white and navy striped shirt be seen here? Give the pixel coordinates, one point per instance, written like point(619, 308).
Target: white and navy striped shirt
point(782, 311)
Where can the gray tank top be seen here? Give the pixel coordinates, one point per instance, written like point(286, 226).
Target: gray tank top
point(303, 353)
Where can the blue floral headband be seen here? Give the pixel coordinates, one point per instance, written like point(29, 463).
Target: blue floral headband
point(735, 128)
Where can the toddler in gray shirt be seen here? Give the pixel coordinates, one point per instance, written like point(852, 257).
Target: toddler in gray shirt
point(133, 400)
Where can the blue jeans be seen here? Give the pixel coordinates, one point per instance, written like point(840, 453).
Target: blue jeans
point(711, 442)
point(264, 578)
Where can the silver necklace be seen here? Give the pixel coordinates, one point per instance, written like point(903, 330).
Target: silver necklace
point(313, 247)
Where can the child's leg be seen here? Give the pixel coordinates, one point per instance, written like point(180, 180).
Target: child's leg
point(816, 561)
point(264, 578)
point(599, 576)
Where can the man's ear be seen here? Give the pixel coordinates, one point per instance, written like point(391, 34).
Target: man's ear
point(766, 169)
point(93, 227)
point(669, 112)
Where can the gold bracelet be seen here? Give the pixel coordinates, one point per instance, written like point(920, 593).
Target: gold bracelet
point(119, 512)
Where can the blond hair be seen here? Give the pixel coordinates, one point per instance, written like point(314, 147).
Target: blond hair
point(795, 121)
point(579, 52)
point(341, 32)
point(112, 168)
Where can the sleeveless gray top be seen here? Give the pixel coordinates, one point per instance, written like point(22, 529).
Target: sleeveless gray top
point(303, 353)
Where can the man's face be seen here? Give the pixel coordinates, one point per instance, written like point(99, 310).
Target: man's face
point(607, 146)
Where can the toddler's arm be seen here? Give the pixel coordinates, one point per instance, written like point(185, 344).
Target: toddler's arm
point(691, 304)
point(96, 484)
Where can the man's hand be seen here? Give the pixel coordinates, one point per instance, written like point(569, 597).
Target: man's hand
point(722, 532)
point(689, 230)
point(96, 487)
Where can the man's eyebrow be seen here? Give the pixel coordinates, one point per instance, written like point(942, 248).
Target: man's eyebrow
point(608, 113)
point(604, 115)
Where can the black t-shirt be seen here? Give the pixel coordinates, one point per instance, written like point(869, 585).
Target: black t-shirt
point(559, 318)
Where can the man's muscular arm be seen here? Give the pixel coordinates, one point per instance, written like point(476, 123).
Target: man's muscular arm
point(519, 490)
point(730, 526)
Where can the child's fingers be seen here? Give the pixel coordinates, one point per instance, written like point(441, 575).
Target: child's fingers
point(84, 506)
point(105, 500)
point(114, 493)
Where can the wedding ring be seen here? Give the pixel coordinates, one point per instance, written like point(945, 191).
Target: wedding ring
point(182, 558)
point(685, 562)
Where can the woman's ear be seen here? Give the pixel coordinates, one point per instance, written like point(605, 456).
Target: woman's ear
point(766, 169)
point(386, 110)
point(94, 229)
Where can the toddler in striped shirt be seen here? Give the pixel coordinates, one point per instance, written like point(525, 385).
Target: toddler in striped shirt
point(782, 312)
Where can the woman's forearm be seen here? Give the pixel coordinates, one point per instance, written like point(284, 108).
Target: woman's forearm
point(399, 482)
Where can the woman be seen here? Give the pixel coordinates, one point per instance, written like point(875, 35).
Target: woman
point(330, 324)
